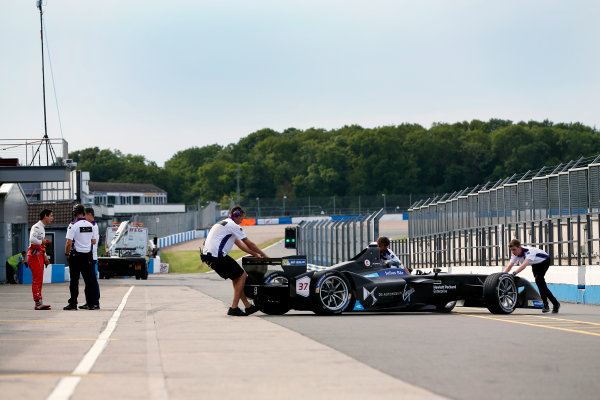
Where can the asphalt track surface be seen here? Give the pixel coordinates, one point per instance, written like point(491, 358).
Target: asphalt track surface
point(171, 339)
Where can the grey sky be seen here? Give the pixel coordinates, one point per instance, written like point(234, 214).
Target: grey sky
point(155, 77)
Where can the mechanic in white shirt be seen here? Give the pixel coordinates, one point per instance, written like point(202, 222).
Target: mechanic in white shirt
point(217, 246)
point(383, 243)
point(540, 262)
point(78, 249)
point(89, 216)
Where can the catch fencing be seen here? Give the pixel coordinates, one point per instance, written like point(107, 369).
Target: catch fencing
point(332, 240)
point(558, 212)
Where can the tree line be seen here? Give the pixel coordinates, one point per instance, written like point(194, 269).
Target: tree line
point(351, 160)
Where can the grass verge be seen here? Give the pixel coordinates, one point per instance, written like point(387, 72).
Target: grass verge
point(188, 261)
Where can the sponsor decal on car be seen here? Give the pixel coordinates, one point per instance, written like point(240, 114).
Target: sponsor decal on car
point(407, 292)
point(438, 289)
point(391, 272)
point(367, 294)
point(293, 261)
point(358, 306)
point(303, 286)
point(367, 263)
point(373, 275)
point(535, 303)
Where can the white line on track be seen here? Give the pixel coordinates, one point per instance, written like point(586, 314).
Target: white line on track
point(67, 385)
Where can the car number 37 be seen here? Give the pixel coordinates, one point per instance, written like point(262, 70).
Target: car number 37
point(303, 286)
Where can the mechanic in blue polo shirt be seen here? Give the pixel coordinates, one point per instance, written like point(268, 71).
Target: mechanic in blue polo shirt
point(540, 262)
point(217, 246)
point(383, 243)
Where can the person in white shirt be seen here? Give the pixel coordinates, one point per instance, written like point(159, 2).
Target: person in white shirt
point(217, 246)
point(36, 257)
point(89, 216)
point(383, 243)
point(540, 262)
point(78, 249)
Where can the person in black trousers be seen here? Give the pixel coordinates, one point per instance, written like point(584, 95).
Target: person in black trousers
point(540, 262)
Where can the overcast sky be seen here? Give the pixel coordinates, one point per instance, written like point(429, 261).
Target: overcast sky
point(156, 77)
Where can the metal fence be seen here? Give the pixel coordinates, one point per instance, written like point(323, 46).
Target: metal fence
point(162, 225)
point(558, 212)
point(330, 241)
point(287, 206)
point(35, 152)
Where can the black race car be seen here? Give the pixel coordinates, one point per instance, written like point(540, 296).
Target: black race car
point(367, 283)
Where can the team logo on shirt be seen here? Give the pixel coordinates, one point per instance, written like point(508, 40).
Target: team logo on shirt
point(84, 229)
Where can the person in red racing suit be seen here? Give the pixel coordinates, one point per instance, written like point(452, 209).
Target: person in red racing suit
point(36, 257)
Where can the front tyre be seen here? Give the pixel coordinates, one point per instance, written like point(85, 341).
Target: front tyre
point(330, 294)
point(500, 293)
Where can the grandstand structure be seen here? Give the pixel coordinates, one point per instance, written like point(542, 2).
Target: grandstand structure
point(555, 208)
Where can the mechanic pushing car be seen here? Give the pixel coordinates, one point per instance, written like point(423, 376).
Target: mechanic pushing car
point(215, 252)
point(383, 243)
point(540, 262)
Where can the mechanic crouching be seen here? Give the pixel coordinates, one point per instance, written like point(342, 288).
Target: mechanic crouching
point(383, 243)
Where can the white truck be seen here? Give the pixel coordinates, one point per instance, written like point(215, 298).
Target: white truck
point(126, 249)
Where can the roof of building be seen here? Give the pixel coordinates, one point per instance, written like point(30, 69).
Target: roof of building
point(124, 187)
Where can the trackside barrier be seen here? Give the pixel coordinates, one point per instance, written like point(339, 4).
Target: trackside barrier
point(180, 238)
point(328, 241)
point(53, 273)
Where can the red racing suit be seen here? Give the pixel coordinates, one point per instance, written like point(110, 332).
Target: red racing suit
point(36, 258)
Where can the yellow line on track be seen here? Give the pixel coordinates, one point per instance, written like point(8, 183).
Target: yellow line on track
point(539, 325)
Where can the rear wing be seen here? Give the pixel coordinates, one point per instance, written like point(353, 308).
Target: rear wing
point(291, 265)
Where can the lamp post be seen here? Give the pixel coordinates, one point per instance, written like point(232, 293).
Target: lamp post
point(258, 207)
point(284, 197)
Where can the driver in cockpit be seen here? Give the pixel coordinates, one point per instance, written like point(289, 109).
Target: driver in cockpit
point(387, 255)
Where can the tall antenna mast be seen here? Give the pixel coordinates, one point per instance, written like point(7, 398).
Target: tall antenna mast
point(45, 140)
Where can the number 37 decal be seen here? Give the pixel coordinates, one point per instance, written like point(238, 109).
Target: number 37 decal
point(303, 286)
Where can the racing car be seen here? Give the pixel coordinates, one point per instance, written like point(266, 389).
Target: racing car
point(368, 283)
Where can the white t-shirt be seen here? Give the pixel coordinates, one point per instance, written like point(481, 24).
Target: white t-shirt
point(81, 233)
point(96, 236)
point(533, 254)
point(37, 233)
point(221, 238)
point(389, 255)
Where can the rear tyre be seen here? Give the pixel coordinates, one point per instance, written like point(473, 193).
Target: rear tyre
point(500, 293)
point(330, 293)
point(272, 307)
